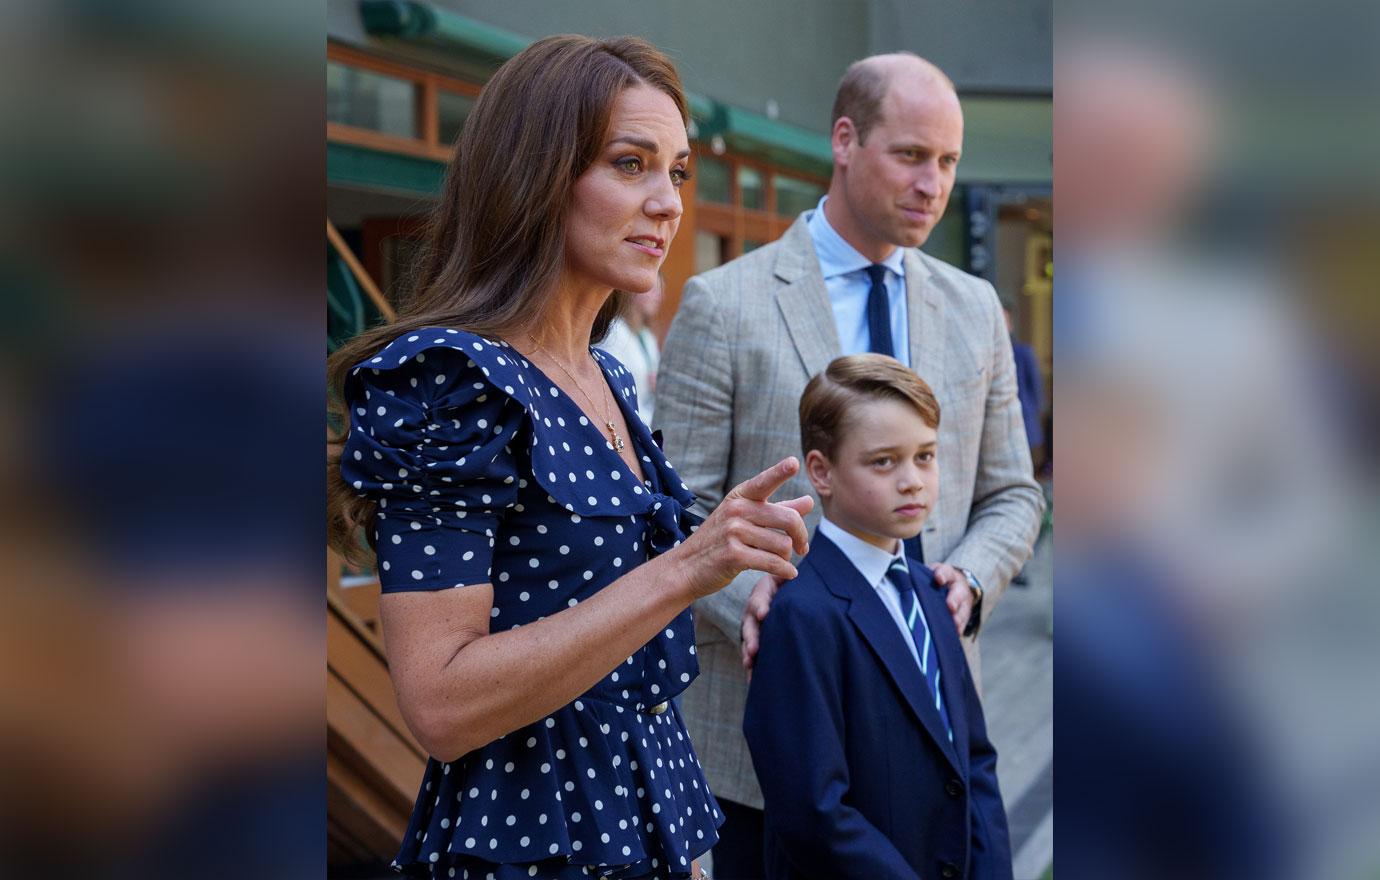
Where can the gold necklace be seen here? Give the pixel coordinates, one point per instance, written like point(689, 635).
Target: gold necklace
point(615, 440)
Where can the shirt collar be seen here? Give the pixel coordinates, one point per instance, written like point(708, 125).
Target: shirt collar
point(872, 562)
point(838, 257)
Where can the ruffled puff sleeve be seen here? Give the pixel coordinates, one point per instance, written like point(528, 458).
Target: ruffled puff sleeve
point(431, 441)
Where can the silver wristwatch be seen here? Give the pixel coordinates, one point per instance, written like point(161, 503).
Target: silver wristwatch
point(974, 619)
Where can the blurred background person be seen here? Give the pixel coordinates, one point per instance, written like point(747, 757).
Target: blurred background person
point(162, 639)
point(1207, 532)
point(1030, 388)
point(631, 340)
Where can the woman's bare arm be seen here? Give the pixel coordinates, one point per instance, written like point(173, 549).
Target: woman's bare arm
point(460, 687)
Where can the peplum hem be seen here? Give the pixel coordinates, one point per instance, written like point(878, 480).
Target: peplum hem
point(536, 795)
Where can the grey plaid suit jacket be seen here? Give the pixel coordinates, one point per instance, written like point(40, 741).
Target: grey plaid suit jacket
point(746, 339)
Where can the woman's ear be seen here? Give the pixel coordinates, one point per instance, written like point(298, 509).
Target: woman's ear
point(820, 472)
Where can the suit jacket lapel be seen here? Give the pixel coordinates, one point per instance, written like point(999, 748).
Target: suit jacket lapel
point(879, 630)
point(804, 300)
point(951, 661)
point(924, 320)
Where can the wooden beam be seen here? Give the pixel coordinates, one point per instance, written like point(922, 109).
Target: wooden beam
point(363, 600)
point(362, 277)
point(369, 745)
point(366, 675)
point(371, 822)
point(339, 132)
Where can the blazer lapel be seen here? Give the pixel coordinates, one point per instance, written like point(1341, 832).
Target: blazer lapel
point(879, 630)
point(951, 661)
point(804, 300)
point(924, 320)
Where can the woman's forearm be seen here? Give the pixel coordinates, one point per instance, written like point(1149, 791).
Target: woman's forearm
point(464, 694)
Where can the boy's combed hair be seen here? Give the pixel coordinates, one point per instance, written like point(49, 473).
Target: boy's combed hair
point(852, 379)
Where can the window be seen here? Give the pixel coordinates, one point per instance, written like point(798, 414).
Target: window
point(390, 107)
point(452, 109)
point(794, 195)
point(742, 203)
point(711, 181)
point(751, 188)
point(365, 99)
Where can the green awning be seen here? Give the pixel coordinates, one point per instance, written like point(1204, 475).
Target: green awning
point(350, 165)
point(756, 135)
point(747, 132)
point(429, 23)
point(1006, 139)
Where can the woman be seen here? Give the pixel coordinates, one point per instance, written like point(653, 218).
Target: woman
point(532, 545)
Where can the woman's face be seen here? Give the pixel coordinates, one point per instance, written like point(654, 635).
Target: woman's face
point(625, 208)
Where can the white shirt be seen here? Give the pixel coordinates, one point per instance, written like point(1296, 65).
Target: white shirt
point(872, 563)
point(845, 277)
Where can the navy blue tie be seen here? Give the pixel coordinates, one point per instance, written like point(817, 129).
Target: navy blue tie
point(879, 312)
point(920, 634)
point(879, 335)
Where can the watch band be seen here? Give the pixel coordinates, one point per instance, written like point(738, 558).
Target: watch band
point(975, 618)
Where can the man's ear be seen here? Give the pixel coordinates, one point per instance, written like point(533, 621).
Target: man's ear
point(820, 472)
point(842, 139)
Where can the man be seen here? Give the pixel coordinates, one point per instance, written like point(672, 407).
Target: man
point(846, 278)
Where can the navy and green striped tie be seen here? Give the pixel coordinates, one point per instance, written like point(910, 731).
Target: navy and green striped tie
point(899, 575)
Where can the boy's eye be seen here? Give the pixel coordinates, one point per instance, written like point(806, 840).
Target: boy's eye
point(883, 461)
point(925, 457)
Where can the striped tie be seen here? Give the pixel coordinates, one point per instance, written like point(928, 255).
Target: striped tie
point(920, 633)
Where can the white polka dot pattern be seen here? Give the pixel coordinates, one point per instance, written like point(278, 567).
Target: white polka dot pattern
point(483, 475)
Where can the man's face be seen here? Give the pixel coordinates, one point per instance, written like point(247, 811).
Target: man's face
point(897, 181)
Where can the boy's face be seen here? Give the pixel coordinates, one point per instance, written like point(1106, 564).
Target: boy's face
point(883, 479)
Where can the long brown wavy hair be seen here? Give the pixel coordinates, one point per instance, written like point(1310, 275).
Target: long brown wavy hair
point(496, 239)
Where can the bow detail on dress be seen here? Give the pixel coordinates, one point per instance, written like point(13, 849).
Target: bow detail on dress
point(671, 524)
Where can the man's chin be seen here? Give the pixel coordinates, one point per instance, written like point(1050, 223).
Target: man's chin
point(912, 236)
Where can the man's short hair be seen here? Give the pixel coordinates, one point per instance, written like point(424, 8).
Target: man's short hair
point(852, 379)
point(863, 89)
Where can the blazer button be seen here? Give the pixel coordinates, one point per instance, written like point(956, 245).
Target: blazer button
point(657, 709)
point(948, 869)
point(954, 788)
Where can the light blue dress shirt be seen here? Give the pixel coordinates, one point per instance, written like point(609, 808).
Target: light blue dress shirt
point(873, 563)
point(845, 276)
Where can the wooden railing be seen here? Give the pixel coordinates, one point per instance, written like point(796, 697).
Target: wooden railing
point(373, 763)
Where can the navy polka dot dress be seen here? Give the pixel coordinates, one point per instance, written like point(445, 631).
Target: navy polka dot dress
point(485, 472)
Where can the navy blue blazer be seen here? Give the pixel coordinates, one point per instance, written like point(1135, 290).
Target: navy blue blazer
point(859, 778)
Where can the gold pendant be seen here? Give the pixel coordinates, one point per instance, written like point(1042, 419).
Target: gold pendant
point(617, 441)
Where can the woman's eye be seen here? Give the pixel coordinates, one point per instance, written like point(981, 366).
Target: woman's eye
point(679, 176)
point(631, 164)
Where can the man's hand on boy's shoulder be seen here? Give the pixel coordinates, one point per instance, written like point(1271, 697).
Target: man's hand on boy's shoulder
point(959, 593)
point(758, 604)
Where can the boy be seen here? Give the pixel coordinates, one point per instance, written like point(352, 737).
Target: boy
point(863, 723)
